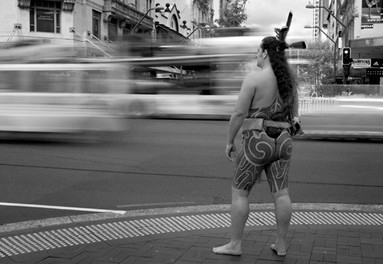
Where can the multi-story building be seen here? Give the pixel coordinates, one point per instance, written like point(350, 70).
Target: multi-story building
point(320, 20)
point(98, 22)
point(363, 33)
point(333, 27)
point(83, 22)
point(316, 18)
point(356, 24)
point(193, 15)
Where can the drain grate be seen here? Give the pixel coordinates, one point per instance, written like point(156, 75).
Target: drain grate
point(66, 237)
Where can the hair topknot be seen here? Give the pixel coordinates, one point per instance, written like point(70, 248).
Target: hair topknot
point(273, 43)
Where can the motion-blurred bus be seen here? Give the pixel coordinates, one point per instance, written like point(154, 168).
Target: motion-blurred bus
point(56, 94)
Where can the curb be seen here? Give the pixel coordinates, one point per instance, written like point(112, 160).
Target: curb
point(155, 212)
point(155, 223)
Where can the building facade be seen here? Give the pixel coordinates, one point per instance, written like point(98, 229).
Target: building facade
point(98, 22)
point(358, 25)
point(37, 19)
point(193, 15)
point(316, 22)
point(363, 33)
point(320, 20)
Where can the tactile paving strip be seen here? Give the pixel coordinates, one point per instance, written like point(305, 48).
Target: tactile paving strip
point(66, 237)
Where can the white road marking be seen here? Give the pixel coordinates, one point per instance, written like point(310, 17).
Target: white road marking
point(363, 106)
point(53, 207)
point(153, 204)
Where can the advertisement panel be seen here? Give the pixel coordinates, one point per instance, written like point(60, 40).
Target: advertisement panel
point(372, 13)
point(377, 63)
point(361, 63)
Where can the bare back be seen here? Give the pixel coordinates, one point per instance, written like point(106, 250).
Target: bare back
point(265, 88)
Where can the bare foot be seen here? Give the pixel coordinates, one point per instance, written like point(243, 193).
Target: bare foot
point(278, 252)
point(228, 249)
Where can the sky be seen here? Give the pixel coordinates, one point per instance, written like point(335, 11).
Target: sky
point(269, 14)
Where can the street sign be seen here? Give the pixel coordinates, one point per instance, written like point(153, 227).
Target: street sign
point(361, 63)
point(376, 62)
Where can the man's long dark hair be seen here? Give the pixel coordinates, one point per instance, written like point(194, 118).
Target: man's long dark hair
point(285, 79)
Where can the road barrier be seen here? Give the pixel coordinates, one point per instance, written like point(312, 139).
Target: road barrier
point(316, 105)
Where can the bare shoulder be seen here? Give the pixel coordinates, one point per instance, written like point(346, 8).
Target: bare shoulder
point(252, 77)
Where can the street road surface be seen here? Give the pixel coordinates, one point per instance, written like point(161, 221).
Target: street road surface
point(165, 163)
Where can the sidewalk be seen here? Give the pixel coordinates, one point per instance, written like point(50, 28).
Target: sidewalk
point(338, 234)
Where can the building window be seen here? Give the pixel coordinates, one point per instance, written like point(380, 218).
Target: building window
point(174, 23)
point(112, 29)
point(45, 16)
point(148, 4)
point(96, 23)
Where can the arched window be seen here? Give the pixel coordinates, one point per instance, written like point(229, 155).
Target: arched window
point(174, 23)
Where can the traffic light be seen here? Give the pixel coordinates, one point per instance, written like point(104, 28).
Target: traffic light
point(347, 56)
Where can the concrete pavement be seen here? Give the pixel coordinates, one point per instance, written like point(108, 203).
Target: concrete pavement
point(319, 233)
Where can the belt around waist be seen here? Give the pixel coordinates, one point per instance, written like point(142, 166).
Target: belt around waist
point(260, 124)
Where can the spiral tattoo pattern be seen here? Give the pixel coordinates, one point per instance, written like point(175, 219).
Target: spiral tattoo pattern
point(261, 152)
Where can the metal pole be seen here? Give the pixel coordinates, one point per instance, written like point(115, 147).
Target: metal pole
point(322, 32)
point(193, 31)
point(142, 18)
point(337, 19)
point(325, 8)
point(335, 58)
point(326, 35)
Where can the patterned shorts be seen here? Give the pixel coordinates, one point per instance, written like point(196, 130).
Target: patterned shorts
point(261, 152)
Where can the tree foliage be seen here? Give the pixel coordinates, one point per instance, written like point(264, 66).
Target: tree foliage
point(233, 14)
point(321, 68)
point(203, 5)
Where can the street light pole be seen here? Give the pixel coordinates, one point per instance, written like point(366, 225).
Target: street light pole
point(335, 47)
point(157, 9)
point(322, 32)
point(310, 6)
point(198, 27)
